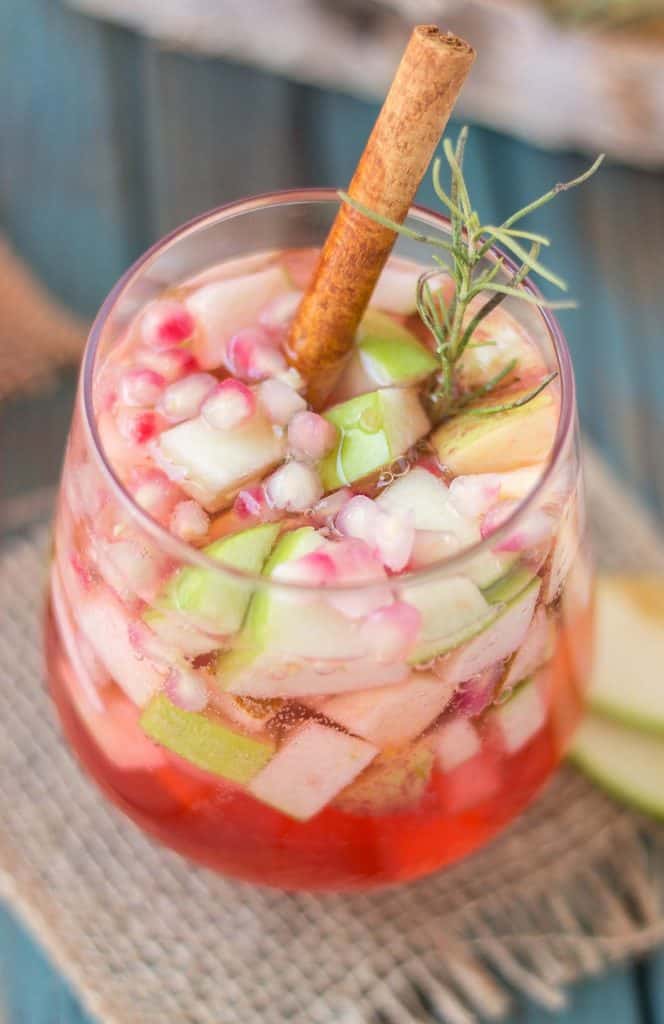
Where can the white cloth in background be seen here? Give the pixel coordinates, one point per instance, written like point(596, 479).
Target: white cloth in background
point(555, 87)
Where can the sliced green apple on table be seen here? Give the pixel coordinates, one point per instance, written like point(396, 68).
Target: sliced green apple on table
point(627, 762)
point(205, 741)
point(627, 682)
point(212, 465)
point(286, 631)
point(215, 600)
point(474, 441)
point(385, 353)
point(620, 744)
point(374, 430)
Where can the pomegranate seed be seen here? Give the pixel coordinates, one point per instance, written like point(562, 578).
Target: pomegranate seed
point(395, 536)
point(183, 399)
point(473, 496)
point(533, 530)
point(356, 563)
point(251, 355)
point(293, 487)
point(314, 570)
point(189, 521)
point(359, 518)
point(326, 510)
point(230, 404)
point(154, 492)
point(165, 324)
point(250, 503)
point(141, 387)
point(391, 632)
point(310, 436)
point(137, 427)
point(172, 363)
point(186, 690)
point(280, 401)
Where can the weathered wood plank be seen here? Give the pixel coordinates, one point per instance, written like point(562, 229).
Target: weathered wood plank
point(215, 132)
point(69, 162)
point(31, 990)
point(611, 998)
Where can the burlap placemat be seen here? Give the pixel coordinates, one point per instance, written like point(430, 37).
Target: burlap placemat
point(147, 939)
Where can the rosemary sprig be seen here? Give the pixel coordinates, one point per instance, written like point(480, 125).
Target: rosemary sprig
point(465, 255)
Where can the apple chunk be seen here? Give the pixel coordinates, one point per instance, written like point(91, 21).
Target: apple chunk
point(374, 430)
point(496, 442)
point(453, 610)
point(385, 353)
point(214, 600)
point(222, 308)
point(106, 625)
point(391, 715)
point(296, 644)
point(500, 637)
point(426, 498)
point(315, 764)
point(498, 340)
point(204, 741)
point(212, 465)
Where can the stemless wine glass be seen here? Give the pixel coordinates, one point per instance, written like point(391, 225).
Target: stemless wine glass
point(314, 767)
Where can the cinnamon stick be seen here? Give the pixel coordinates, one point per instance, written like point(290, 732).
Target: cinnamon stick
point(413, 117)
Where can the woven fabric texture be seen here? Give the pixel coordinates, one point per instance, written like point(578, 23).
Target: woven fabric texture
point(146, 938)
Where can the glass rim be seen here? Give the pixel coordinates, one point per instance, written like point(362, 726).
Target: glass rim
point(195, 556)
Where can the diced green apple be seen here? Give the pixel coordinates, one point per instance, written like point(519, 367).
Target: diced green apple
point(500, 441)
point(496, 342)
point(628, 763)
point(521, 717)
point(426, 498)
point(178, 634)
point(395, 780)
point(626, 682)
point(385, 353)
point(453, 610)
point(314, 765)
point(456, 742)
point(513, 607)
point(214, 600)
point(295, 644)
point(374, 430)
point(204, 741)
point(391, 716)
point(212, 465)
point(536, 649)
point(106, 626)
point(396, 288)
point(222, 308)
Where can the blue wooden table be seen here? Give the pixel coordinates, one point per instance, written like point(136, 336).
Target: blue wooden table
point(106, 142)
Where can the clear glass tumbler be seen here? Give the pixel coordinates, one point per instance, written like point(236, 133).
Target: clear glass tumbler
point(467, 738)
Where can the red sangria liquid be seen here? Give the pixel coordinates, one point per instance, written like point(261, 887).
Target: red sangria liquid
point(326, 649)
